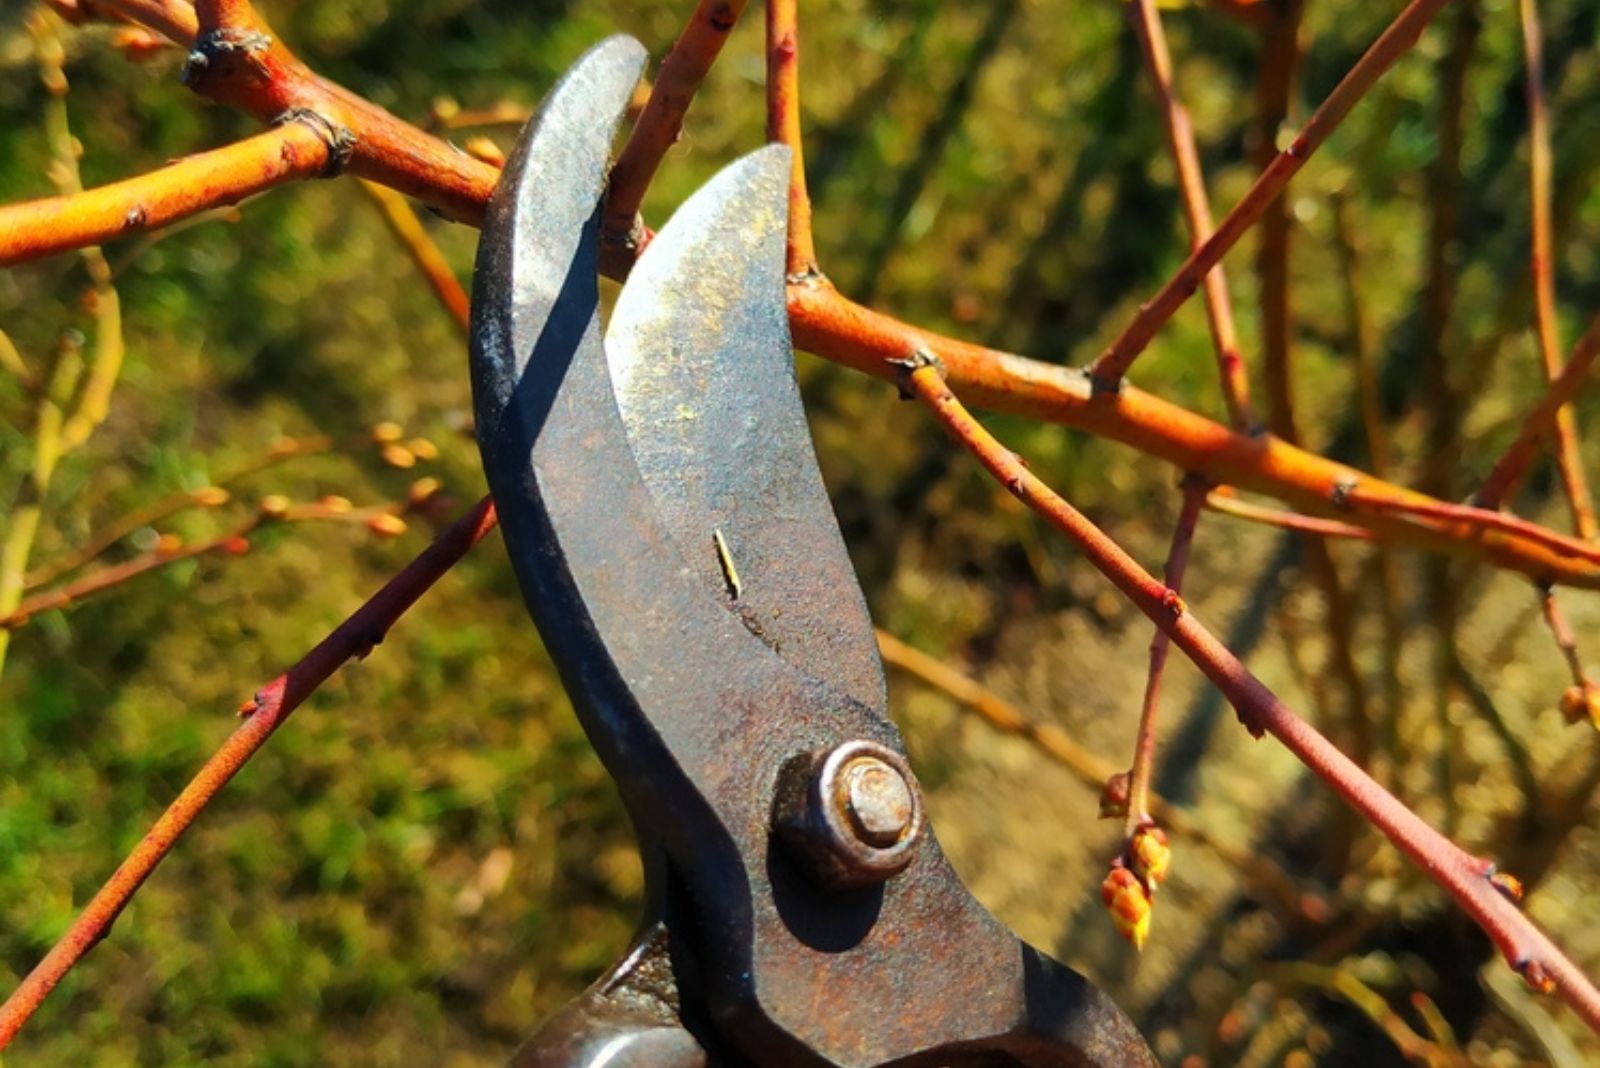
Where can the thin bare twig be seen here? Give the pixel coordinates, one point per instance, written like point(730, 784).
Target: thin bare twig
point(661, 122)
point(423, 250)
point(1466, 878)
point(783, 127)
point(1276, 885)
point(1540, 421)
point(1546, 325)
point(1109, 367)
point(1146, 22)
point(264, 713)
point(1138, 815)
point(1222, 499)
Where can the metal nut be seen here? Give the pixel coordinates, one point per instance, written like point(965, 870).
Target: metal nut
point(852, 815)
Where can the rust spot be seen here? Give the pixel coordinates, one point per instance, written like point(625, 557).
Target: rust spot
point(722, 18)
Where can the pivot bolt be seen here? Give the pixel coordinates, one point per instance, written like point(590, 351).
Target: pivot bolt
point(851, 815)
point(877, 801)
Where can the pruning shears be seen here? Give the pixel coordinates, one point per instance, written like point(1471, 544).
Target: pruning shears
point(673, 540)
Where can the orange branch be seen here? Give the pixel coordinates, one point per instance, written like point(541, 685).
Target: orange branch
point(1568, 458)
point(173, 19)
point(192, 185)
point(424, 252)
point(831, 326)
point(264, 713)
point(661, 123)
point(1146, 21)
point(1113, 363)
point(1274, 94)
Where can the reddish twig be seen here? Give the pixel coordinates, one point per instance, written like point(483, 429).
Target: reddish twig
point(1565, 424)
point(264, 713)
point(1222, 499)
point(661, 122)
point(1138, 815)
point(1469, 880)
point(1581, 700)
point(1109, 367)
point(194, 184)
point(1540, 421)
point(1477, 522)
point(381, 519)
point(1146, 21)
point(783, 127)
point(207, 497)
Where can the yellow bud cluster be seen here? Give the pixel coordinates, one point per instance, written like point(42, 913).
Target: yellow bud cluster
point(1582, 702)
point(1129, 904)
point(1150, 856)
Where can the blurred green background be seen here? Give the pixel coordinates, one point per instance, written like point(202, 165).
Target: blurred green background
point(429, 858)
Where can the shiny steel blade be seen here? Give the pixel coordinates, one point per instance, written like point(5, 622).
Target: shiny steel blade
point(703, 370)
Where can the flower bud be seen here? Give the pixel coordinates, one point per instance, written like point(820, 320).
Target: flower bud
point(274, 506)
point(385, 432)
point(482, 148)
point(397, 455)
point(1509, 886)
point(386, 525)
point(423, 449)
point(1582, 702)
point(210, 497)
point(168, 544)
point(423, 490)
point(1125, 898)
point(335, 504)
point(1150, 856)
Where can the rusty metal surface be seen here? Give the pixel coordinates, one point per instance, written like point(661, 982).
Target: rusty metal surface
point(640, 539)
point(703, 371)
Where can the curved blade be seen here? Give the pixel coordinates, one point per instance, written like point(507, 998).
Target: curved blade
point(530, 288)
point(703, 370)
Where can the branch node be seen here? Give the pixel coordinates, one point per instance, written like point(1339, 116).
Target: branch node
point(920, 357)
point(213, 48)
point(341, 141)
point(1101, 385)
point(810, 275)
point(1343, 487)
point(627, 238)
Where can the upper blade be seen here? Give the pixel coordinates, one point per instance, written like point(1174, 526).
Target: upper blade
point(537, 259)
point(703, 370)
